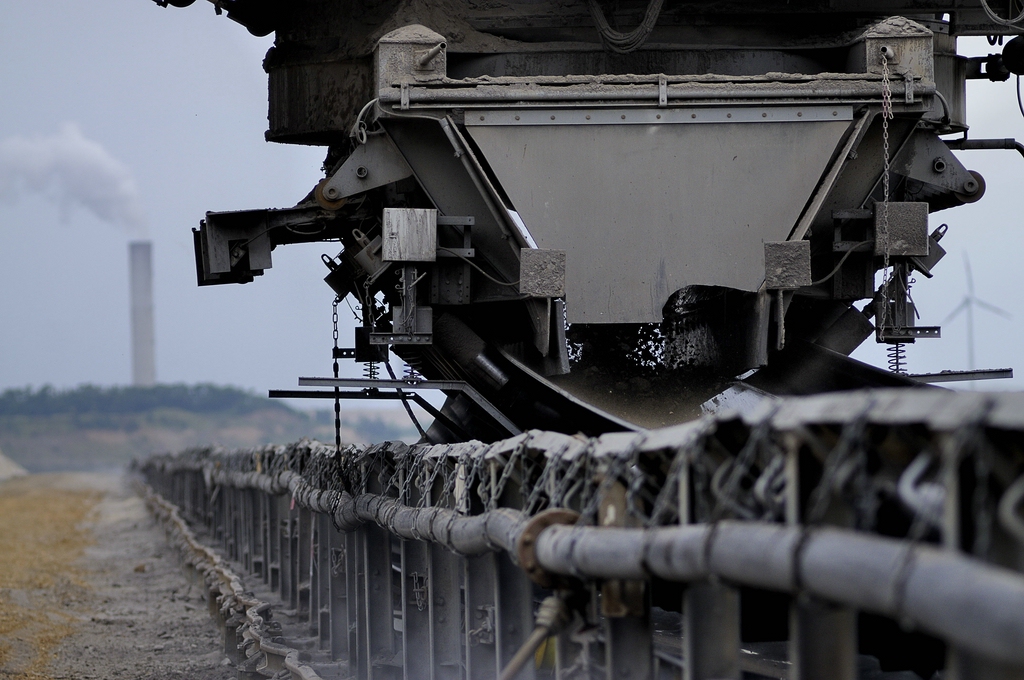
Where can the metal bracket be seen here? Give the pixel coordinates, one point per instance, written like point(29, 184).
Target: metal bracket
point(374, 164)
point(375, 389)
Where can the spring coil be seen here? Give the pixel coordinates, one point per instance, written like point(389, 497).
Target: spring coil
point(370, 370)
point(897, 357)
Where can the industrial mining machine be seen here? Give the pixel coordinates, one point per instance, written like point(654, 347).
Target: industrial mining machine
point(582, 221)
point(587, 216)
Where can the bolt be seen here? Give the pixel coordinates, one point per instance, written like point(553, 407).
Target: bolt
point(331, 192)
point(362, 172)
point(939, 165)
point(970, 186)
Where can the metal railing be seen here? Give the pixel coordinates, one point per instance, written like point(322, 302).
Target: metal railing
point(810, 539)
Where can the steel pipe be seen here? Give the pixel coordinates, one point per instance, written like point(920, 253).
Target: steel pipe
point(971, 604)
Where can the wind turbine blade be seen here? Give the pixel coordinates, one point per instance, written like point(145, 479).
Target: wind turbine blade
point(959, 308)
point(970, 276)
point(992, 308)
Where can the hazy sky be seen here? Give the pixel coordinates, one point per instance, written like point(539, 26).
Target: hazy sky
point(122, 120)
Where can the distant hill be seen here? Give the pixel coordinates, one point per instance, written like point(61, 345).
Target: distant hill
point(104, 428)
point(203, 398)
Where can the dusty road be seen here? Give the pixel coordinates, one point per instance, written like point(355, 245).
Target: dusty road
point(90, 589)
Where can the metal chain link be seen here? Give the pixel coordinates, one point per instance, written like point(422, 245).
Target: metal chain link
point(571, 481)
point(337, 391)
point(887, 115)
point(518, 454)
point(846, 463)
point(638, 495)
point(428, 483)
point(666, 504)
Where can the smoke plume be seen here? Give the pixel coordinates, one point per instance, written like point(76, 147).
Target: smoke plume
point(71, 170)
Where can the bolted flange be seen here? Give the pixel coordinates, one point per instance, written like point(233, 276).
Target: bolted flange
point(527, 543)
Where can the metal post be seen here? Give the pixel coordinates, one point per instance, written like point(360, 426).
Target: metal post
point(314, 575)
point(711, 614)
point(480, 579)
point(823, 641)
point(711, 632)
point(416, 593)
point(294, 557)
point(246, 529)
point(284, 532)
point(355, 543)
point(443, 614)
point(379, 612)
point(323, 581)
point(822, 637)
point(304, 561)
point(513, 613)
point(259, 558)
point(338, 616)
point(628, 648)
point(273, 539)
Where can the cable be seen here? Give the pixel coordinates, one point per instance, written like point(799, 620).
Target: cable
point(1000, 20)
point(624, 43)
point(405, 401)
point(1020, 104)
point(945, 107)
point(841, 261)
point(552, 617)
point(475, 266)
point(359, 127)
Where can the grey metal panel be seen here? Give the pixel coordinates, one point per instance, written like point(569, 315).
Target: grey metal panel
point(645, 210)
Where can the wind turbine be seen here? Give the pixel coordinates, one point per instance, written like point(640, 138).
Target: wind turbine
point(967, 305)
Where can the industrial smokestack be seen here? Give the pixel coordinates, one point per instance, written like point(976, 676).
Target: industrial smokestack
point(140, 259)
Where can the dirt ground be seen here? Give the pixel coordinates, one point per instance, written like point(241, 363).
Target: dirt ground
point(89, 588)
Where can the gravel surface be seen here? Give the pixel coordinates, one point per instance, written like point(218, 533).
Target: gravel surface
point(89, 587)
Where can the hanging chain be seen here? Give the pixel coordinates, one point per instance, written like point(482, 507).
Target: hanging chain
point(886, 117)
point(337, 392)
